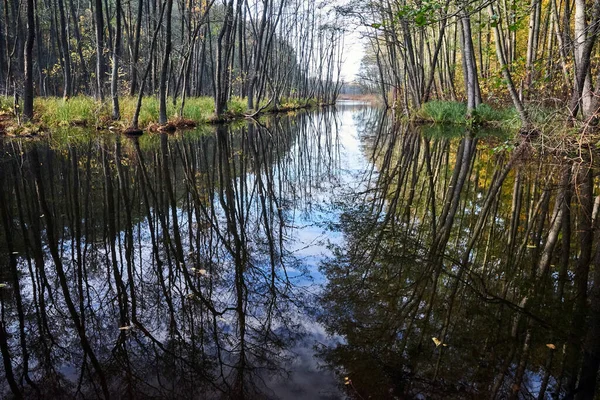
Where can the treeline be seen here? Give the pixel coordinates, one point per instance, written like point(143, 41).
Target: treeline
point(260, 50)
point(455, 49)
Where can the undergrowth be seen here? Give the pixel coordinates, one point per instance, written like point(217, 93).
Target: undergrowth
point(450, 112)
point(86, 111)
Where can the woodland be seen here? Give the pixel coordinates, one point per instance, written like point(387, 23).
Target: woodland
point(534, 55)
point(247, 56)
point(351, 251)
point(242, 55)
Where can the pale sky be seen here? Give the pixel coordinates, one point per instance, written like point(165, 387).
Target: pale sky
point(353, 53)
point(353, 47)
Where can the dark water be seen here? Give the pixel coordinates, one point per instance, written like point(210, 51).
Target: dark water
point(326, 255)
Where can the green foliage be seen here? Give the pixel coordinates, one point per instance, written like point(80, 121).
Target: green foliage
point(199, 108)
point(485, 114)
point(423, 15)
point(86, 111)
point(443, 112)
point(237, 105)
point(449, 112)
point(56, 111)
point(6, 104)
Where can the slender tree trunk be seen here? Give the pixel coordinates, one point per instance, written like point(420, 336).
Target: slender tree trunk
point(136, 50)
point(138, 106)
point(99, 51)
point(526, 124)
point(28, 89)
point(114, 84)
point(162, 113)
point(64, 42)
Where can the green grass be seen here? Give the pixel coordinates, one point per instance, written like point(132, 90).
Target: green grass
point(450, 112)
point(86, 111)
point(58, 112)
point(443, 112)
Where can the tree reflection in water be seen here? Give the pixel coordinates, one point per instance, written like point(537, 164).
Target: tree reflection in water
point(466, 272)
point(155, 267)
point(180, 267)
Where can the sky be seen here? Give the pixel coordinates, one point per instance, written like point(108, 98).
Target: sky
point(353, 47)
point(353, 53)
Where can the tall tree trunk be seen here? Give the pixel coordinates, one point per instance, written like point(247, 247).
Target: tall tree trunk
point(28, 89)
point(526, 124)
point(471, 77)
point(114, 84)
point(162, 112)
point(222, 64)
point(581, 37)
point(138, 106)
point(64, 42)
point(99, 51)
point(136, 49)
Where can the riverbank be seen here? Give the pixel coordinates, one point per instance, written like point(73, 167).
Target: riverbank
point(82, 111)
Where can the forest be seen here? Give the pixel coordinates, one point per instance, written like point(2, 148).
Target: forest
point(530, 54)
point(245, 55)
point(249, 56)
point(198, 201)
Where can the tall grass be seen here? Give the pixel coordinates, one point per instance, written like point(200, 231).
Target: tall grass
point(86, 111)
point(77, 110)
point(58, 112)
point(443, 112)
point(450, 112)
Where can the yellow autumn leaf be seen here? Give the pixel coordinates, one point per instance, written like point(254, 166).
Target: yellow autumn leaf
point(551, 346)
point(199, 271)
point(124, 328)
point(436, 341)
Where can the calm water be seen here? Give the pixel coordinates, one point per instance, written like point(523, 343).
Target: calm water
point(326, 255)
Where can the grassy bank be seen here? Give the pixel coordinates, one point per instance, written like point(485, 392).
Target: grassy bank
point(455, 113)
point(87, 112)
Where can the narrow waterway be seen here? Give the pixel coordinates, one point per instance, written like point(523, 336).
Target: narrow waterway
point(329, 254)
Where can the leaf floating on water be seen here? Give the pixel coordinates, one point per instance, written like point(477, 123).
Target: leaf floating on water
point(3, 285)
point(551, 346)
point(346, 378)
point(436, 341)
point(531, 246)
point(125, 328)
point(15, 252)
point(199, 271)
point(347, 383)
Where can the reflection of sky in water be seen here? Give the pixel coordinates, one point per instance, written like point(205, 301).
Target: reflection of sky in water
point(311, 238)
point(308, 235)
point(310, 244)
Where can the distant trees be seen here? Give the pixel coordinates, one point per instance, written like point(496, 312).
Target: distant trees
point(263, 50)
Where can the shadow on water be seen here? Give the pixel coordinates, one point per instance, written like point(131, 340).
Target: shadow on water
point(466, 272)
point(320, 255)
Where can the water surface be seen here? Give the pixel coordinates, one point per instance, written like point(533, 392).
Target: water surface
point(331, 254)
